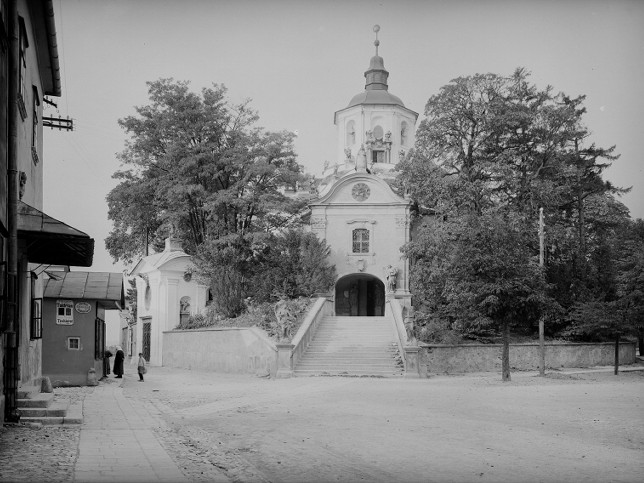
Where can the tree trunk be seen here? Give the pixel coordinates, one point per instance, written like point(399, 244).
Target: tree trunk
point(505, 353)
point(616, 354)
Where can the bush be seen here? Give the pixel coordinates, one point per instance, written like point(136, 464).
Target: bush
point(261, 315)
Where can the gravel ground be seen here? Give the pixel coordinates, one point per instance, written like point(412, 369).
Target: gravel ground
point(222, 428)
point(30, 452)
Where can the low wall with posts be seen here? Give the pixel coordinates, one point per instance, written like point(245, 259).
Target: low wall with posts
point(454, 359)
point(222, 349)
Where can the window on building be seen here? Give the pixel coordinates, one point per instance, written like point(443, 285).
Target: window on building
point(35, 131)
point(403, 133)
point(73, 343)
point(99, 338)
point(351, 133)
point(36, 319)
point(184, 309)
point(22, 68)
point(360, 240)
point(377, 156)
point(378, 133)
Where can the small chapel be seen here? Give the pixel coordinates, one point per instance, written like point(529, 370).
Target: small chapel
point(362, 219)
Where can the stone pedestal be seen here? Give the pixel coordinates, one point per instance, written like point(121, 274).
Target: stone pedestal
point(412, 362)
point(284, 361)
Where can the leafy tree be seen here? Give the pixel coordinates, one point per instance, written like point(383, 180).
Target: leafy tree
point(196, 167)
point(614, 305)
point(479, 275)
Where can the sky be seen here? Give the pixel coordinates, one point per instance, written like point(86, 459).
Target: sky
point(300, 61)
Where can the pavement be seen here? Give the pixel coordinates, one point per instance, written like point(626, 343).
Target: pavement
point(117, 441)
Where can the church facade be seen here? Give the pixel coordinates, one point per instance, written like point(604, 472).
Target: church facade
point(362, 219)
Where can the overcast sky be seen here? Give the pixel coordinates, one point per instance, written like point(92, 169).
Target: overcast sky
point(300, 61)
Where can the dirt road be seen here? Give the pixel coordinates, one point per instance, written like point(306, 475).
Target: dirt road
point(577, 427)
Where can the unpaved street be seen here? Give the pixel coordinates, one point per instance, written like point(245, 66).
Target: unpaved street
point(576, 427)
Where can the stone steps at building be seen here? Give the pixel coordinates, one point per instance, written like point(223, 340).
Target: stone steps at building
point(352, 346)
point(40, 408)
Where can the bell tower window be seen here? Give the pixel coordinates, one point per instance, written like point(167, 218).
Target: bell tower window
point(351, 133)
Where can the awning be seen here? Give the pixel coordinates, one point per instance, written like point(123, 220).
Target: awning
point(52, 242)
point(104, 287)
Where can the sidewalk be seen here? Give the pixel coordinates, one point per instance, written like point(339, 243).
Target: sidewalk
point(117, 442)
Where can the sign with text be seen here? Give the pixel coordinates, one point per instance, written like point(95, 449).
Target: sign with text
point(83, 307)
point(64, 312)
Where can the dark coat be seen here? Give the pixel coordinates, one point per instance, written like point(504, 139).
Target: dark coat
point(118, 363)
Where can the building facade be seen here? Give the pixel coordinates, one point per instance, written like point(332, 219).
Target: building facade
point(362, 219)
point(73, 319)
point(30, 240)
point(167, 292)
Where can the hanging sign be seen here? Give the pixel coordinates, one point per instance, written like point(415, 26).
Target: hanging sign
point(83, 308)
point(64, 312)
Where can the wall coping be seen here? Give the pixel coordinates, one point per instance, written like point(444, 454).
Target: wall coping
point(551, 343)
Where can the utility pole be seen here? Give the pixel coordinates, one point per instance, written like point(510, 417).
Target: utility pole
point(542, 342)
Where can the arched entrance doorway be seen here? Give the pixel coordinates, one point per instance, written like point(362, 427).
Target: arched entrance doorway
point(359, 294)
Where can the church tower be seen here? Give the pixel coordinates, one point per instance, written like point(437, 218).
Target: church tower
point(376, 120)
point(362, 219)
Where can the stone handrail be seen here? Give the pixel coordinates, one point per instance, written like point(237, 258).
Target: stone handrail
point(305, 333)
point(396, 312)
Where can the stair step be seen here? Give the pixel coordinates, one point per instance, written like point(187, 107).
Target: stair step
point(27, 392)
point(39, 400)
point(57, 409)
point(44, 420)
point(368, 373)
point(352, 346)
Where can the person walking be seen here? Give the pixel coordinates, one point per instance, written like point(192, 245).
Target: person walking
point(118, 362)
point(141, 367)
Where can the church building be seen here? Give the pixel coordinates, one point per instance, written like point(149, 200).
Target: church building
point(356, 211)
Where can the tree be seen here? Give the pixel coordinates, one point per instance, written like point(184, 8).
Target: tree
point(482, 275)
point(614, 304)
point(196, 167)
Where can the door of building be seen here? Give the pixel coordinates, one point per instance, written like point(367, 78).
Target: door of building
point(360, 295)
point(147, 337)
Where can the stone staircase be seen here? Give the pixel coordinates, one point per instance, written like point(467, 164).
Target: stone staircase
point(352, 346)
point(40, 407)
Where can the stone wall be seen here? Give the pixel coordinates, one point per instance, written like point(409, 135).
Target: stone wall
point(227, 349)
point(439, 359)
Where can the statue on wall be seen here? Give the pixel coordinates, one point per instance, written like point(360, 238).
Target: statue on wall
point(361, 160)
point(410, 325)
point(285, 319)
point(347, 153)
point(392, 273)
point(184, 305)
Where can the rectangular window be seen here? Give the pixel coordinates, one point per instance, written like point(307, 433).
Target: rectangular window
point(99, 338)
point(36, 319)
point(35, 129)
point(73, 343)
point(64, 312)
point(361, 240)
point(22, 68)
point(377, 156)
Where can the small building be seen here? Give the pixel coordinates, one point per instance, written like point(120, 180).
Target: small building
point(167, 292)
point(73, 321)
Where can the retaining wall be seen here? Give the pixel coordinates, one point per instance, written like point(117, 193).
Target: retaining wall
point(487, 357)
point(225, 349)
